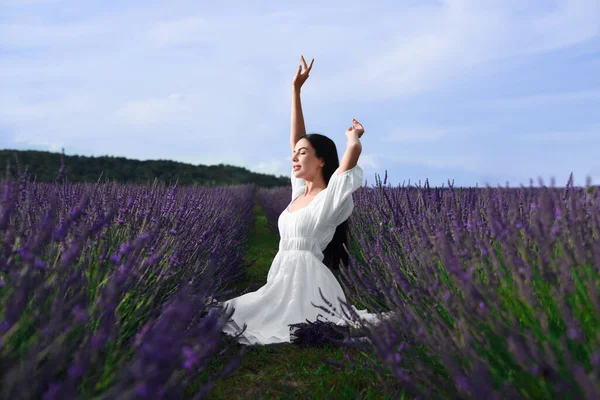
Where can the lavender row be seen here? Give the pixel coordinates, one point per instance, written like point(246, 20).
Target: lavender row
point(273, 202)
point(494, 291)
point(105, 289)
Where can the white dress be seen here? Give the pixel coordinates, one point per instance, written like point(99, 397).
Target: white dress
point(297, 271)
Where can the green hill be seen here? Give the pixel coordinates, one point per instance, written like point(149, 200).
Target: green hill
point(44, 166)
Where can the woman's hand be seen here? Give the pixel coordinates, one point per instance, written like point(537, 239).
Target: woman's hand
point(355, 129)
point(301, 77)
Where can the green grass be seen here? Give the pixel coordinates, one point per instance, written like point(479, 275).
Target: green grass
point(264, 245)
point(287, 371)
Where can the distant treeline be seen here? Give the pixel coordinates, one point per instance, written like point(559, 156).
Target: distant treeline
point(45, 166)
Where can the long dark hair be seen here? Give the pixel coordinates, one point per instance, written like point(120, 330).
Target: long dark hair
point(325, 148)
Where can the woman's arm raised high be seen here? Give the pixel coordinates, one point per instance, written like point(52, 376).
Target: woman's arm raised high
point(297, 125)
point(297, 129)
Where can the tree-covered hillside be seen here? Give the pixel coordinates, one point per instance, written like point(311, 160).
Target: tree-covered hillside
point(45, 167)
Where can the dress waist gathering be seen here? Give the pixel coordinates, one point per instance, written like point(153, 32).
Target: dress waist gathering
point(306, 243)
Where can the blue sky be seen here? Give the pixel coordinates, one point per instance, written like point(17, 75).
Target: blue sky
point(479, 92)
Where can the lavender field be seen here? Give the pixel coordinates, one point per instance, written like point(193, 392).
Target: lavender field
point(108, 290)
point(105, 288)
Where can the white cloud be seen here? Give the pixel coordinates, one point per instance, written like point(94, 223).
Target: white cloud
point(548, 98)
point(417, 134)
point(55, 109)
point(200, 157)
point(450, 40)
point(27, 35)
point(370, 160)
point(274, 167)
point(590, 134)
point(174, 107)
point(209, 30)
point(570, 22)
point(9, 3)
point(49, 145)
point(472, 162)
point(188, 30)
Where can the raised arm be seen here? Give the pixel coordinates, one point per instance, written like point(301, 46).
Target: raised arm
point(297, 126)
point(353, 147)
point(297, 129)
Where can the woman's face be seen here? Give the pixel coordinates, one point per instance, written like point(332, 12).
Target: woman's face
point(305, 162)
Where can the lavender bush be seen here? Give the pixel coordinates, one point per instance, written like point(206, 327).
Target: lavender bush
point(105, 289)
point(494, 291)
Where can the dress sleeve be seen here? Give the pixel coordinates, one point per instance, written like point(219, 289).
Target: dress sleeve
point(338, 203)
point(298, 185)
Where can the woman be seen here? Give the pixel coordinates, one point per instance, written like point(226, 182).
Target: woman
point(321, 203)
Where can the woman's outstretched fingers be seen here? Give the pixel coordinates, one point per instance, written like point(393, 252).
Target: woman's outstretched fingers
point(307, 68)
point(302, 76)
